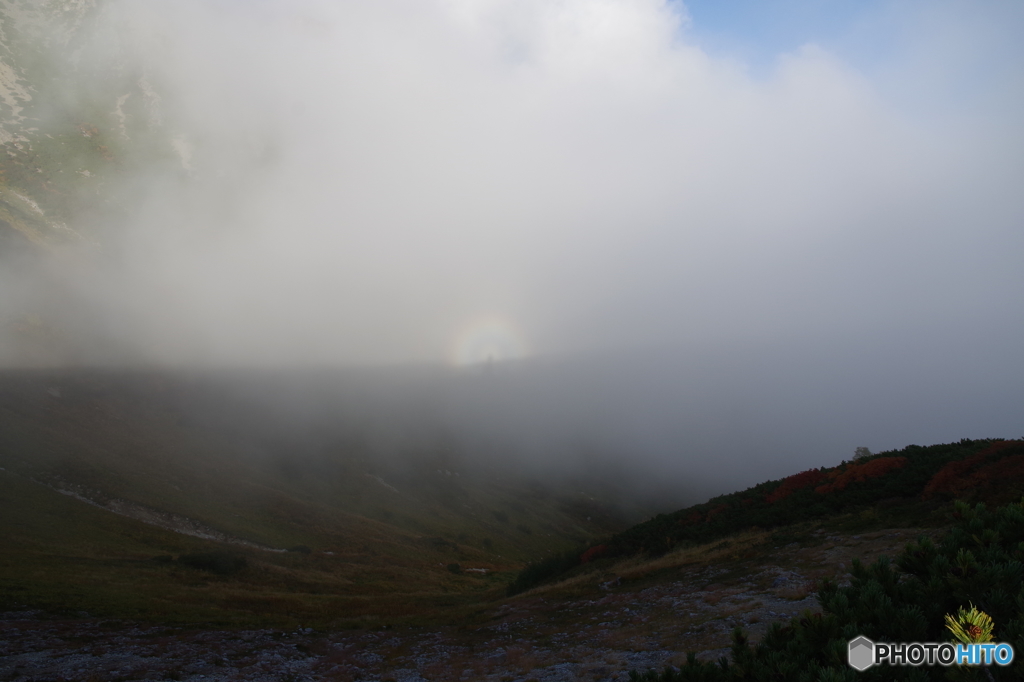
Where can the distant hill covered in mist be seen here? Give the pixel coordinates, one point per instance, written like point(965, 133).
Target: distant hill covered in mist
point(253, 497)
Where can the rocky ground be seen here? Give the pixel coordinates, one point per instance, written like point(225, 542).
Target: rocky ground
point(648, 616)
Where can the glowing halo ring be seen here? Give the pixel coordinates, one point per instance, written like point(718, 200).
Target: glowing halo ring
point(487, 339)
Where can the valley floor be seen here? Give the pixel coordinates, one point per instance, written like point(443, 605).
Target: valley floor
point(596, 627)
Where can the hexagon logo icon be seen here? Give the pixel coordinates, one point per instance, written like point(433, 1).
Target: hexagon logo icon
point(862, 653)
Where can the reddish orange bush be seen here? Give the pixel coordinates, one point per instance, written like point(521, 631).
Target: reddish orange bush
point(950, 479)
point(694, 518)
point(1002, 472)
point(1001, 445)
point(791, 484)
point(860, 472)
point(593, 553)
point(956, 478)
point(716, 511)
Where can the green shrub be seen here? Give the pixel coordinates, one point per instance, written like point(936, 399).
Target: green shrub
point(978, 562)
point(542, 571)
point(220, 562)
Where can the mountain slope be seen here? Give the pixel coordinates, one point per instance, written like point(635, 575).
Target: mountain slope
point(900, 487)
point(105, 472)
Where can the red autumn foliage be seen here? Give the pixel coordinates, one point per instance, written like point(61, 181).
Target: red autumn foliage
point(593, 553)
point(1008, 469)
point(954, 479)
point(693, 518)
point(791, 484)
point(858, 472)
point(716, 511)
point(1001, 445)
point(949, 479)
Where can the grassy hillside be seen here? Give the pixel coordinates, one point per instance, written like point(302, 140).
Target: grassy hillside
point(255, 498)
point(909, 486)
point(377, 533)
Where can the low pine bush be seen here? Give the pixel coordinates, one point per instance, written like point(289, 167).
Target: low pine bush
point(977, 564)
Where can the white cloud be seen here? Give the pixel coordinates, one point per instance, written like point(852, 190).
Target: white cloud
point(370, 177)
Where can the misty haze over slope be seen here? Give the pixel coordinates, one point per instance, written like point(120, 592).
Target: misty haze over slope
point(689, 261)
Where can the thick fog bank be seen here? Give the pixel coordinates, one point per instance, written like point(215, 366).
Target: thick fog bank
point(347, 183)
point(656, 427)
point(582, 238)
point(724, 419)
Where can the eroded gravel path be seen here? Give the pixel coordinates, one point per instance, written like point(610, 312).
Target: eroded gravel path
point(636, 623)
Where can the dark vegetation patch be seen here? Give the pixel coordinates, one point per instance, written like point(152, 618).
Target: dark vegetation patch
point(441, 543)
point(978, 563)
point(221, 563)
point(893, 488)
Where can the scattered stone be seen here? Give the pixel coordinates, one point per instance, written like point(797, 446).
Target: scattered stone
point(595, 638)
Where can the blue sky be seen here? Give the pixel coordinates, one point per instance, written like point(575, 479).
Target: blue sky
point(757, 31)
point(926, 57)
